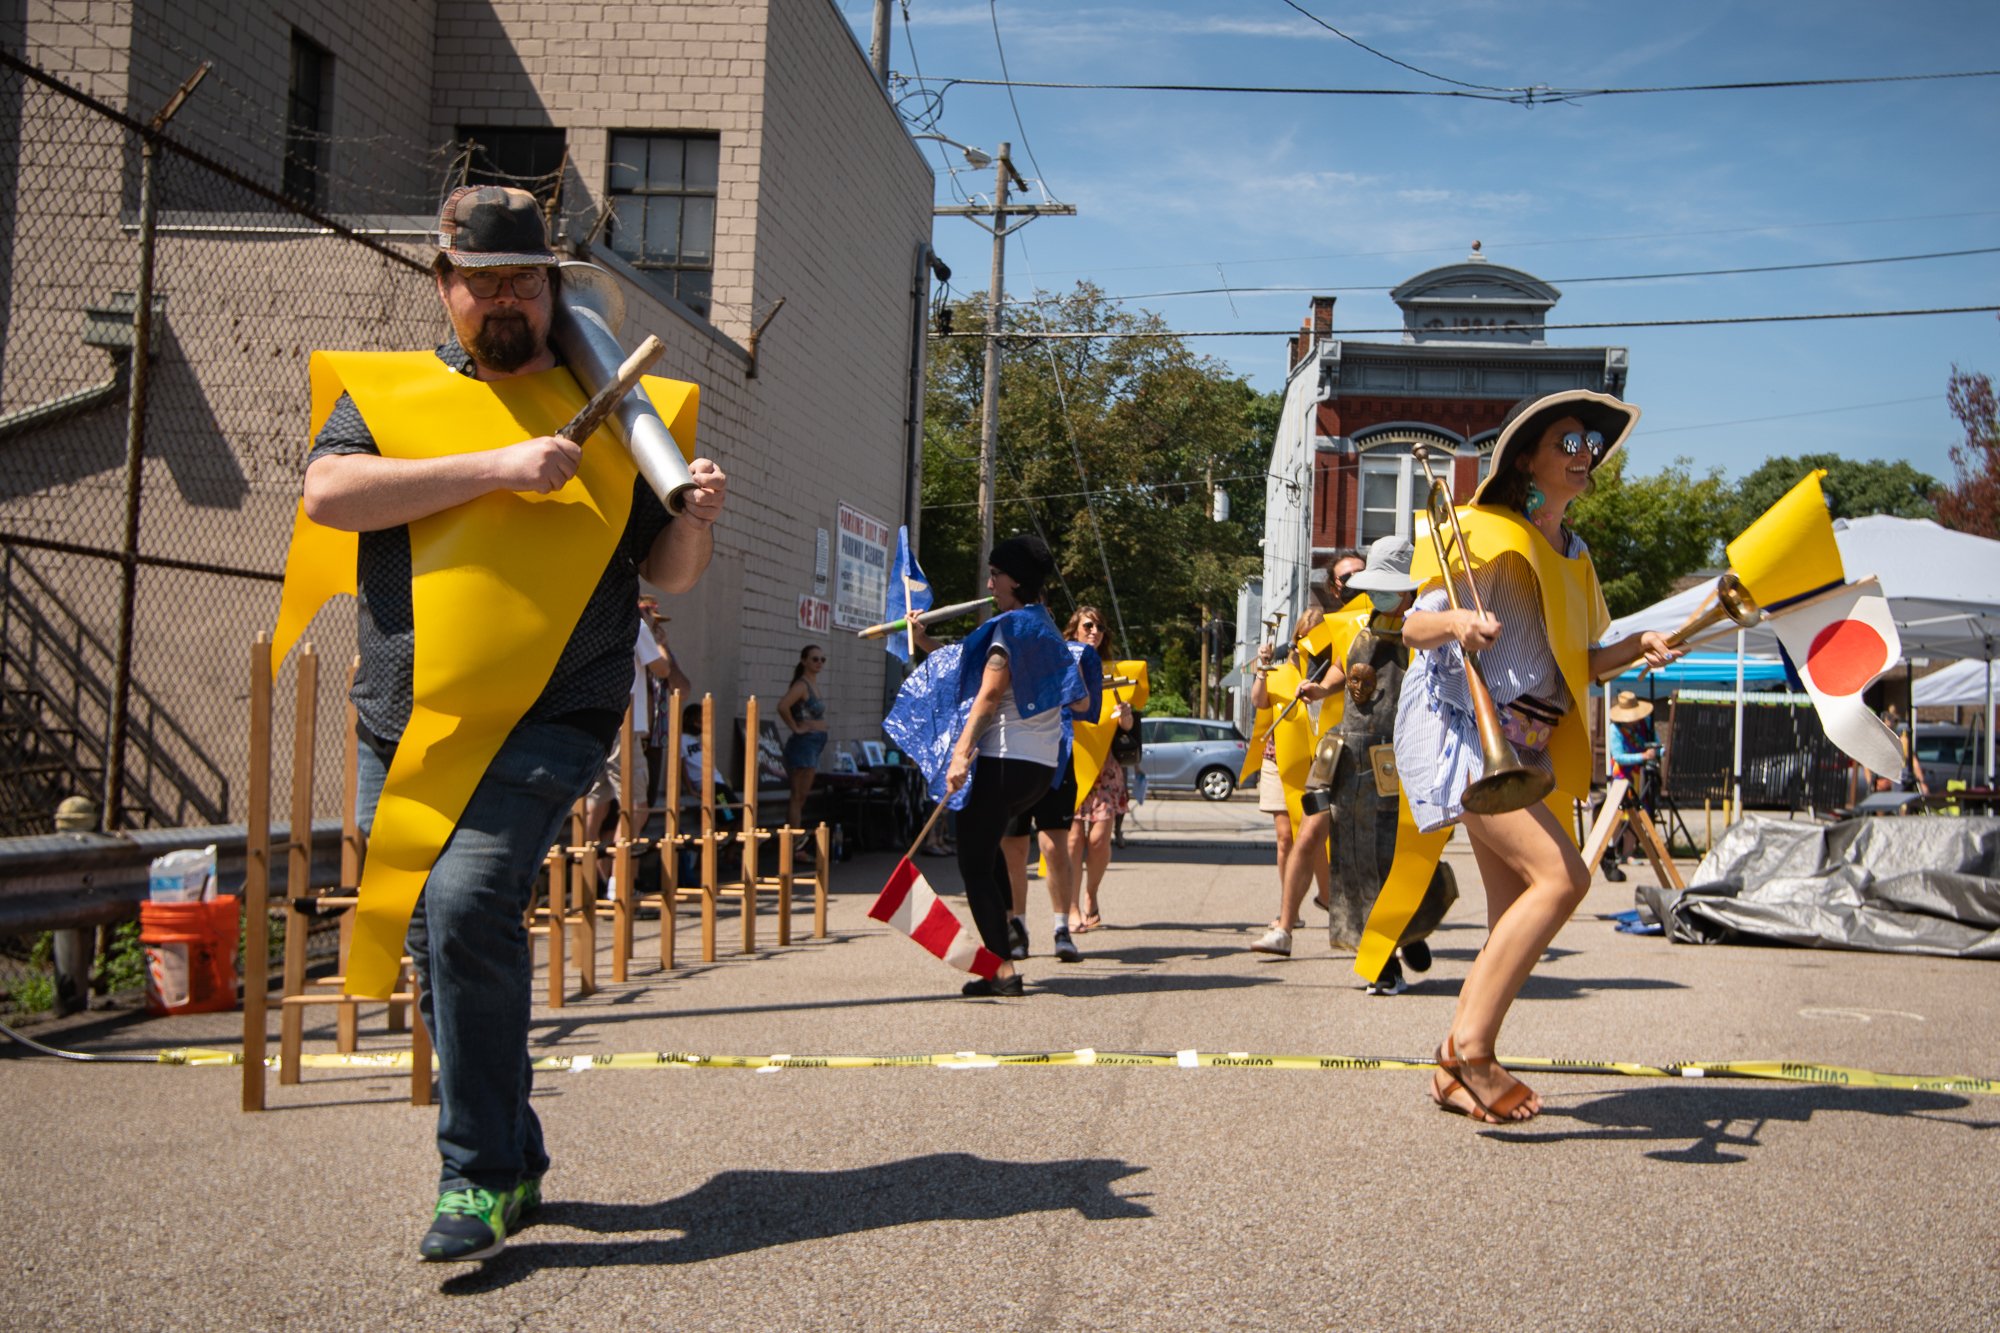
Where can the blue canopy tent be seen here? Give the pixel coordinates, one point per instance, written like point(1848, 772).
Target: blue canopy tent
point(1705, 669)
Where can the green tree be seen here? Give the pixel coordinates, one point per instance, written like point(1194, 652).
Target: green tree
point(1105, 449)
point(1853, 487)
point(1972, 502)
point(1645, 532)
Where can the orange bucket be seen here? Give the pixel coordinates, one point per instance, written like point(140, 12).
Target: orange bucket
point(190, 955)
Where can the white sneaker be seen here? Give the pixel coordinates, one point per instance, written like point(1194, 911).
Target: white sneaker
point(1275, 941)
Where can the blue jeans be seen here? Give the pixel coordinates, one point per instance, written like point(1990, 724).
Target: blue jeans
point(471, 948)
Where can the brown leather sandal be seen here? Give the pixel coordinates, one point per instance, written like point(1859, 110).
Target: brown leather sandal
point(1500, 1111)
point(1442, 1096)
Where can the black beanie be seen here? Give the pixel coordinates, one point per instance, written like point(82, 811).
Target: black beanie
point(1027, 561)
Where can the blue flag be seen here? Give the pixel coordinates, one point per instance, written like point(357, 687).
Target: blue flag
point(926, 718)
point(909, 592)
point(932, 707)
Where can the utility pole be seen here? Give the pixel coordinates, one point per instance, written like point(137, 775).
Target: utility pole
point(1201, 709)
point(994, 219)
point(878, 45)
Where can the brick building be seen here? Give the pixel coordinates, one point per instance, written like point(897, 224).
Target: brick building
point(1341, 471)
point(734, 164)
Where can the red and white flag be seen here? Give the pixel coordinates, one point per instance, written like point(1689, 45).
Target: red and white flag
point(1840, 643)
point(908, 903)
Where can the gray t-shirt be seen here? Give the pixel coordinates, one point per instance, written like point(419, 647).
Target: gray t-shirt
point(593, 677)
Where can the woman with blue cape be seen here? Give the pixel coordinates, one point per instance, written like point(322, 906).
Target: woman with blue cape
point(1019, 675)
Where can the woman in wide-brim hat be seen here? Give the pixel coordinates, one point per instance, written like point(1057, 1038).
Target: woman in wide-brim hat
point(1538, 643)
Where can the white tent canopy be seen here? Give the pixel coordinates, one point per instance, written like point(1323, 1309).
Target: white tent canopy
point(1966, 684)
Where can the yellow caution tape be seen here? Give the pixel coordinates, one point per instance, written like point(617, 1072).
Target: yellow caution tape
point(1784, 1071)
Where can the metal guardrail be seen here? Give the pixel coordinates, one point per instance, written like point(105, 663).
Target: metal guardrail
point(62, 881)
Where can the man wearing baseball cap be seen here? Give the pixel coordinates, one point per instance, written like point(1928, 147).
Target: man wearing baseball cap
point(510, 567)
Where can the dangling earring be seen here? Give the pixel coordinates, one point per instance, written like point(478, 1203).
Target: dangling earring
point(1535, 500)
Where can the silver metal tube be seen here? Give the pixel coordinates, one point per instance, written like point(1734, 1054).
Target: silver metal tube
point(586, 332)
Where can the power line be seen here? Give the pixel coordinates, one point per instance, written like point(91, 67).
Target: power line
point(1535, 244)
point(1136, 486)
point(1529, 96)
point(1383, 55)
point(1574, 282)
point(993, 13)
point(1076, 455)
point(1524, 328)
point(1789, 416)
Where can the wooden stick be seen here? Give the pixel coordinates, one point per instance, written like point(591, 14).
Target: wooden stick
point(925, 832)
point(930, 617)
point(605, 401)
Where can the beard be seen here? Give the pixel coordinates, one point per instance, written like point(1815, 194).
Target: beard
point(505, 342)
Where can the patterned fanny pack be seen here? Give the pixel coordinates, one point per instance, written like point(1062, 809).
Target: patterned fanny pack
point(1529, 724)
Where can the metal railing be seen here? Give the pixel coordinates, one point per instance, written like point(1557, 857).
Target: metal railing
point(57, 673)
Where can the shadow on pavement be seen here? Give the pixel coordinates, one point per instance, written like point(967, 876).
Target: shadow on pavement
point(1083, 984)
point(1143, 954)
point(1705, 1126)
point(740, 1211)
point(1541, 986)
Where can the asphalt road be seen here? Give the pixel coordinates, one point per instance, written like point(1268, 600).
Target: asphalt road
point(139, 1197)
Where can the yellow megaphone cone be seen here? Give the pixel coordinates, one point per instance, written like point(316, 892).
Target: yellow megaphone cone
point(1789, 551)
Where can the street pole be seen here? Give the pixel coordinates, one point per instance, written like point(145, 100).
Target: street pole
point(989, 395)
point(994, 219)
point(878, 45)
point(119, 722)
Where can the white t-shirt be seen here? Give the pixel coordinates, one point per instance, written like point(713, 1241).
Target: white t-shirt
point(645, 652)
point(1037, 740)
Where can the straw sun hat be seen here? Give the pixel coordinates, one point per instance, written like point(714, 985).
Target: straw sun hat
point(1525, 424)
point(1629, 707)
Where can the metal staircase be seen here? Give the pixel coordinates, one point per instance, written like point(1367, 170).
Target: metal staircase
point(55, 714)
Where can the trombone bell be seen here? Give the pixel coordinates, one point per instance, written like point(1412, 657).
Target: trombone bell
point(1732, 599)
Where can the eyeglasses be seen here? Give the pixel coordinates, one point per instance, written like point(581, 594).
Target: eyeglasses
point(1577, 441)
point(485, 284)
point(815, 659)
point(1090, 625)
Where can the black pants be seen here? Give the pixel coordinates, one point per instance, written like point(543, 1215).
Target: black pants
point(1001, 790)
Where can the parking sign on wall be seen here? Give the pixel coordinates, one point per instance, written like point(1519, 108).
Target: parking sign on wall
point(862, 587)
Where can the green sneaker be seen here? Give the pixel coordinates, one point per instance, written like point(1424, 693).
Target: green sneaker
point(523, 1202)
point(469, 1224)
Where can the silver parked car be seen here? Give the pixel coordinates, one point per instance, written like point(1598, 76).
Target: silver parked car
point(1191, 754)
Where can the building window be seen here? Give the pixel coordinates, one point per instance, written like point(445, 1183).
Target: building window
point(1394, 485)
point(306, 115)
point(528, 159)
point(662, 192)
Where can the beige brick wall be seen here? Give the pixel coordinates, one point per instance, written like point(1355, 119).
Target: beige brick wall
point(381, 158)
point(823, 203)
point(844, 201)
point(618, 65)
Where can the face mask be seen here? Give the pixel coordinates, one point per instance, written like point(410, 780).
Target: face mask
point(1386, 601)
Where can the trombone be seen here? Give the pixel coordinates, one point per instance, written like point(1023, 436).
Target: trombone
point(1507, 784)
point(1731, 600)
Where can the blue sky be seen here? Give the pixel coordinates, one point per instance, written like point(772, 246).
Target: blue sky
point(1192, 190)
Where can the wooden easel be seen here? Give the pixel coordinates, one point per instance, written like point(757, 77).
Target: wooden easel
point(1613, 817)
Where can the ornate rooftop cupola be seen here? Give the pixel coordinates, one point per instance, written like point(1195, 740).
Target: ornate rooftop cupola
point(1476, 301)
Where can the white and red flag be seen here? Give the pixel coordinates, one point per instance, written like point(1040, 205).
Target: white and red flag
point(1840, 643)
point(908, 903)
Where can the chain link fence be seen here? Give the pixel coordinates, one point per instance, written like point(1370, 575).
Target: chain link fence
point(146, 507)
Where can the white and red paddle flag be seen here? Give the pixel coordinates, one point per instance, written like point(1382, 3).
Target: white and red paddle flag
point(908, 903)
point(1840, 642)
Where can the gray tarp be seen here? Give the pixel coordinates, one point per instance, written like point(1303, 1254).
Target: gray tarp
point(1916, 884)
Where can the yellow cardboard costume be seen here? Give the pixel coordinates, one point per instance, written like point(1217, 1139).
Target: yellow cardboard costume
point(1574, 612)
point(1297, 734)
point(1091, 744)
point(497, 585)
